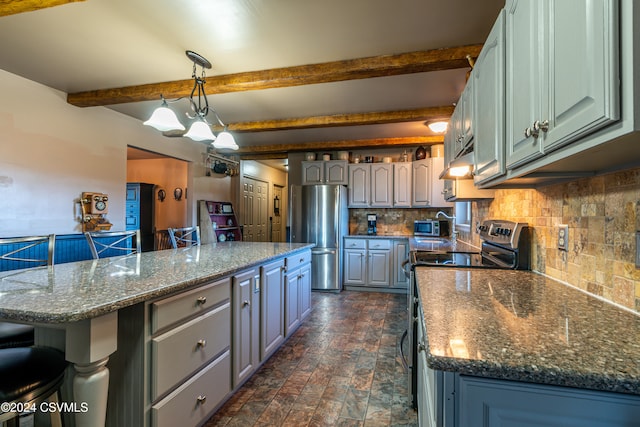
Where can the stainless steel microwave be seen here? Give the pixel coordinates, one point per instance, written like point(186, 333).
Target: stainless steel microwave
point(431, 227)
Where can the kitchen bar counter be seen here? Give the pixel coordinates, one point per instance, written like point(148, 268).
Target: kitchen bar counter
point(522, 326)
point(75, 305)
point(86, 289)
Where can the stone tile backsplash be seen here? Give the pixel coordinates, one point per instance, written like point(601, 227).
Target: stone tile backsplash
point(391, 221)
point(603, 214)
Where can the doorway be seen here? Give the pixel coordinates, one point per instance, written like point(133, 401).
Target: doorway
point(276, 219)
point(169, 176)
point(255, 210)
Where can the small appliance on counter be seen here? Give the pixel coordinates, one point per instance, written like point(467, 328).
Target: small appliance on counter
point(372, 227)
point(431, 228)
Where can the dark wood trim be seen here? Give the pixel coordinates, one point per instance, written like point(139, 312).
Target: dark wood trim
point(14, 7)
point(362, 68)
point(358, 144)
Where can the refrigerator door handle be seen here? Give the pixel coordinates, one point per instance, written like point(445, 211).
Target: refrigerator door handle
point(322, 251)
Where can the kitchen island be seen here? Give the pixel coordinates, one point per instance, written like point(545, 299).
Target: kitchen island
point(76, 305)
point(514, 337)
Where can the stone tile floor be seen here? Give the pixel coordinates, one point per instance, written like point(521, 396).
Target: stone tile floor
point(342, 367)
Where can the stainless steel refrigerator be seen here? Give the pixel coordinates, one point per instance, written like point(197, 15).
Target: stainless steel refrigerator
point(319, 215)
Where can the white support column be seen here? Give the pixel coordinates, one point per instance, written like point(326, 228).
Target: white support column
point(88, 346)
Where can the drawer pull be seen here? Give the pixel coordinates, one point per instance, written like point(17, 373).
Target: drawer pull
point(245, 303)
point(301, 260)
point(201, 399)
point(201, 300)
point(201, 344)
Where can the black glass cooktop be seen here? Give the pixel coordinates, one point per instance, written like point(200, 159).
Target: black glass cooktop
point(451, 259)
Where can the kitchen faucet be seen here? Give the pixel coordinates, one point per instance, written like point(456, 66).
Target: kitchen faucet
point(454, 233)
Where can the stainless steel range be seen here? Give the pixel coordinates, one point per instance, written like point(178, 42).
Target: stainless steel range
point(505, 245)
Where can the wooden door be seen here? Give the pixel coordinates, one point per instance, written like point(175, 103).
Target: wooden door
point(255, 210)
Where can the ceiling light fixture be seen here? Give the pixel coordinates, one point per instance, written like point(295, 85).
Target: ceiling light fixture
point(439, 126)
point(164, 119)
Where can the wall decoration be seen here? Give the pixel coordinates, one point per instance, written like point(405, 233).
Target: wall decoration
point(94, 207)
point(162, 195)
point(177, 194)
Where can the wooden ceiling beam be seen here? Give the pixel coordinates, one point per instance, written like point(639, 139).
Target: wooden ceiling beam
point(328, 72)
point(356, 119)
point(358, 144)
point(13, 7)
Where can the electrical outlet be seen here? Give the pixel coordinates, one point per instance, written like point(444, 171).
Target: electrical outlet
point(563, 237)
point(637, 249)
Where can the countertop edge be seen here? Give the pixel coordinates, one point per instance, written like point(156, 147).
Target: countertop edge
point(100, 310)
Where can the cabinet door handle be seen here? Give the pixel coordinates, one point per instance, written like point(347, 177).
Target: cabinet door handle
point(201, 300)
point(301, 260)
point(201, 344)
point(541, 126)
point(528, 132)
point(284, 268)
point(201, 399)
point(245, 303)
point(421, 347)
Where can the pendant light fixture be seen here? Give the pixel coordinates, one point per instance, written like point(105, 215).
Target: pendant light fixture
point(164, 119)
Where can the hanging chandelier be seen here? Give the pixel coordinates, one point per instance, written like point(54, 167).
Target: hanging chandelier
point(164, 119)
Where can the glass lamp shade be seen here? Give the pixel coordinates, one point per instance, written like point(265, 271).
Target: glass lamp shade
point(438, 127)
point(225, 140)
point(200, 131)
point(164, 119)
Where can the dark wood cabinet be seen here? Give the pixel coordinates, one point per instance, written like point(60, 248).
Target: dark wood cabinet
point(139, 212)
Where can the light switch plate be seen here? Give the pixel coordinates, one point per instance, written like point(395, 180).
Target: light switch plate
point(637, 249)
point(563, 237)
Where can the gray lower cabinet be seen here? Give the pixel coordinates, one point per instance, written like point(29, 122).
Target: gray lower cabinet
point(367, 262)
point(272, 307)
point(297, 294)
point(400, 255)
point(246, 325)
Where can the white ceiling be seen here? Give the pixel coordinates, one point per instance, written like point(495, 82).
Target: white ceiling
point(99, 44)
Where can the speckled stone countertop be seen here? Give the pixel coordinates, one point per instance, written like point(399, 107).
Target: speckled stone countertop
point(519, 325)
point(377, 236)
point(85, 289)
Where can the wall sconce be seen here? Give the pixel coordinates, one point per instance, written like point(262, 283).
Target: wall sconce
point(276, 206)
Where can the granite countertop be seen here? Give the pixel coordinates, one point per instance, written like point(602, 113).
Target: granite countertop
point(523, 326)
point(85, 289)
point(378, 236)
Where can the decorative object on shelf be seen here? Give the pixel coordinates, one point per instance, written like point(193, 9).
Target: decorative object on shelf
point(162, 195)
point(326, 157)
point(405, 156)
point(368, 159)
point(164, 119)
point(94, 207)
point(276, 206)
point(220, 167)
point(421, 153)
point(343, 155)
point(437, 126)
point(310, 157)
point(177, 193)
point(218, 222)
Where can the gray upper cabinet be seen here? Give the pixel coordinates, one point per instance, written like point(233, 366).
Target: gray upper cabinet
point(562, 74)
point(381, 185)
point(324, 172)
point(489, 110)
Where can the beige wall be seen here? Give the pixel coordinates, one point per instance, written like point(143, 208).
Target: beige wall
point(603, 214)
point(50, 152)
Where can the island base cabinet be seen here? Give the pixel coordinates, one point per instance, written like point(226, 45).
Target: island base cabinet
point(246, 325)
point(488, 403)
point(197, 398)
point(272, 330)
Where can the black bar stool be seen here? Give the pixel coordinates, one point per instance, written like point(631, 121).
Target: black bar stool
point(19, 253)
point(30, 376)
